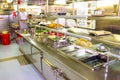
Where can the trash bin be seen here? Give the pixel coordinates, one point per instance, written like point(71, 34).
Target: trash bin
point(5, 39)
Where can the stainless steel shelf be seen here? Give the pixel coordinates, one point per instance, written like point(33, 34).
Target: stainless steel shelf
point(71, 16)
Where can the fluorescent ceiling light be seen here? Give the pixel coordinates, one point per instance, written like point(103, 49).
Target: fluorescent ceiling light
point(9, 1)
point(60, 2)
point(102, 3)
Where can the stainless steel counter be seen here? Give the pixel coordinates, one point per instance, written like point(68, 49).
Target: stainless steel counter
point(101, 74)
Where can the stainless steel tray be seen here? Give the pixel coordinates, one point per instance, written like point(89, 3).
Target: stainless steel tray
point(77, 56)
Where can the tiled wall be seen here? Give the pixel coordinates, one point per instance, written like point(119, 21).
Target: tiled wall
point(4, 22)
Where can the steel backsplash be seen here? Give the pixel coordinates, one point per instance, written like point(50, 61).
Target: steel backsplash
point(108, 23)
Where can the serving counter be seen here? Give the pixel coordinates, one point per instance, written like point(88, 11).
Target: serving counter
point(55, 66)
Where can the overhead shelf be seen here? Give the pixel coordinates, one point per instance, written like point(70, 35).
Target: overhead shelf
point(71, 16)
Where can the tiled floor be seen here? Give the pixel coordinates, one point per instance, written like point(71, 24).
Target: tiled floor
point(13, 65)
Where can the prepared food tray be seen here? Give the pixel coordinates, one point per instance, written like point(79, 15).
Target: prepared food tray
point(83, 42)
point(54, 25)
point(112, 38)
point(100, 33)
point(57, 43)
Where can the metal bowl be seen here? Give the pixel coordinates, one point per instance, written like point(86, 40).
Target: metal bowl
point(102, 48)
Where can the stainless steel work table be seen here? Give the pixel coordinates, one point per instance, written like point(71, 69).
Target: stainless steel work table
point(87, 74)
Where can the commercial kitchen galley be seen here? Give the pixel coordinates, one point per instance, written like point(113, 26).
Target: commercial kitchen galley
point(60, 39)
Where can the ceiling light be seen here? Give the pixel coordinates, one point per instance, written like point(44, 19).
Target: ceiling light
point(9, 1)
point(60, 2)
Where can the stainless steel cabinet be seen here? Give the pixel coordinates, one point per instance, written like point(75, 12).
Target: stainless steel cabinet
point(32, 54)
point(37, 61)
point(48, 72)
point(25, 48)
point(51, 68)
point(63, 72)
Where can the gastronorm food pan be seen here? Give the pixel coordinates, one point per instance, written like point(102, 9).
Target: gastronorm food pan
point(80, 54)
point(69, 48)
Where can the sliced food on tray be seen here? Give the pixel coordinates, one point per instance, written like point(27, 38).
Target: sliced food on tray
point(100, 33)
point(84, 43)
point(54, 25)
